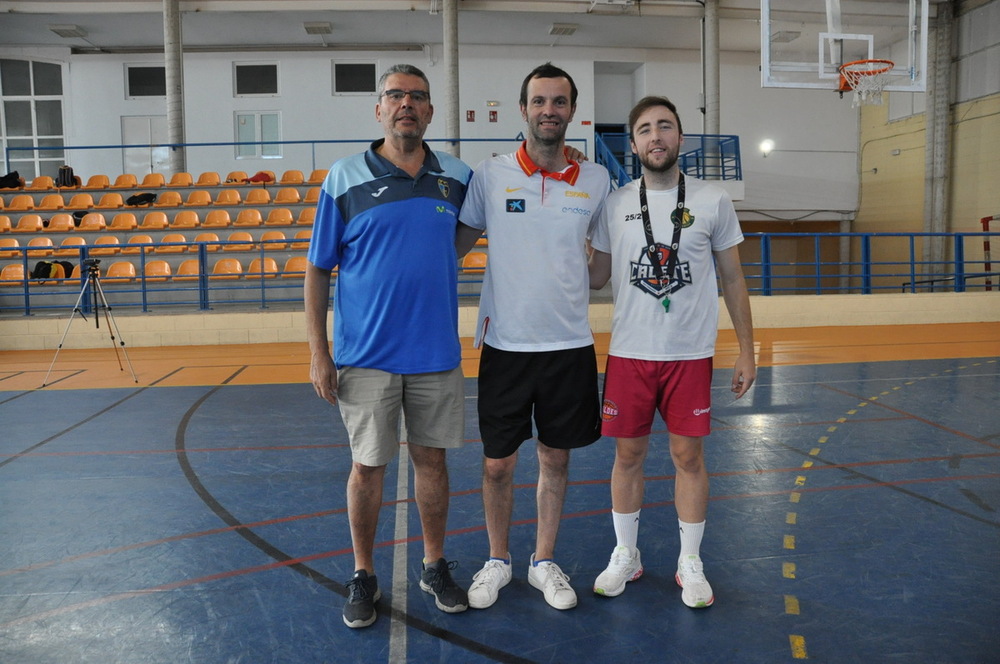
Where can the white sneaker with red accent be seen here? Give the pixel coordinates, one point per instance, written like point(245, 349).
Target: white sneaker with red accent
point(625, 565)
point(697, 593)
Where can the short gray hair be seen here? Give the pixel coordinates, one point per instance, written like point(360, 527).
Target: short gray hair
point(408, 70)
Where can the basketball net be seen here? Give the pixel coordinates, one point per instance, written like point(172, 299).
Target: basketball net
point(867, 78)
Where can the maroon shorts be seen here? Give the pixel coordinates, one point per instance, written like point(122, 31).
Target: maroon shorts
point(634, 390)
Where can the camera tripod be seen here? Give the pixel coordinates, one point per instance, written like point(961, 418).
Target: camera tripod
point(100, 302)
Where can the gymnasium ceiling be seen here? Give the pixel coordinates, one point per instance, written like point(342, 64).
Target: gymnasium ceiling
point(224, 25)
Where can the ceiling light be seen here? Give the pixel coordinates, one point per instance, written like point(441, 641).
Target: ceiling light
point(562, 29)
point(318, 28)
point(68, 31)
point(785, 36)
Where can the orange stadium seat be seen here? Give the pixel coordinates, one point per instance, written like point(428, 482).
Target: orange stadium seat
point(28, 223)
point(106, 245)
point(188, 270)
point(257, 197)
point(317, 176)
point(208, 179)
point(134, 242)
point(41, 183)
point(8, 247)
point(185, 219)
point(157, 270)
point(266, 268)
point(152, 181)
point(181, 179)
point(210, 239)
point(123, 221)
point(287, 196)
point(120, 272)
point(110, 201)
point(273, 241)
point(227, 197)
point(40, 246)
point(81, 201)
point(292, 177)
point(61, 222)
point(217, 219)
point(99, 181)
point(242, 240)
point(198, 198)
point(51, 202)
point(70, 246)
point(92, 221)
point(248, 217)
point(125, 181)
point(21, 203)
point(154, 220)
point(279, 217)
point(227, 268)
point(169, 199)
point(12, 275)
point(306, 216)
point(170, 244)
point(295, 268)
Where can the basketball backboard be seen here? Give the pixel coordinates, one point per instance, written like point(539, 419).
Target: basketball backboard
point(804, 42)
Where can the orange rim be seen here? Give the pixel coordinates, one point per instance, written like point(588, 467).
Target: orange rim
point(848, 73)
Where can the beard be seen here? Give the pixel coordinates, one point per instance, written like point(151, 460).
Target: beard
point(658, 167)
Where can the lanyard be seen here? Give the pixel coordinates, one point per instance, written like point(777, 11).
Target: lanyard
point(677, 218)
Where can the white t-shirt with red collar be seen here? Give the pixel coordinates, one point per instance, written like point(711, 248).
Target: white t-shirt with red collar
point(535, 294)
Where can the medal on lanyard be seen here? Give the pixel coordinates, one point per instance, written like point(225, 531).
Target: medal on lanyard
point(677, 218)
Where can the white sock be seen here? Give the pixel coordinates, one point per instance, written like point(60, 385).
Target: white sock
point(691, 534)
point(626, 528)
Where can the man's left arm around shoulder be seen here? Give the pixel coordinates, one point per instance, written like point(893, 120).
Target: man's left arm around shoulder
point(737, 299)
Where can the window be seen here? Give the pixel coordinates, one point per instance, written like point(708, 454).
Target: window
point(354, 77)
point(256, 80)
point(256, 133)
point(31, 116)
point(145, 81)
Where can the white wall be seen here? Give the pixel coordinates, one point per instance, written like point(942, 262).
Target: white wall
point(812, 173)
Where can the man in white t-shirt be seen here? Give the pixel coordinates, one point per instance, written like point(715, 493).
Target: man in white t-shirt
point(538, 364)
point(660, 240)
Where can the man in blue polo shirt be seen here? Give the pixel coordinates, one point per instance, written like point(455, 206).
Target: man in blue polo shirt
point(386, 221)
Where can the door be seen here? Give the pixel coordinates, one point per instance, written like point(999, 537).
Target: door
point(143, 131)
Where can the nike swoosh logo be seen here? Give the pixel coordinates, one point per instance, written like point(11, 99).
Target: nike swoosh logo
point(511, 190)
point(379, 192)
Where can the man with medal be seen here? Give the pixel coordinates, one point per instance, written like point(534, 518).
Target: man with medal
point(660, 240)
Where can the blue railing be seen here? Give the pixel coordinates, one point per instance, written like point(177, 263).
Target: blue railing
point(816, 269)
point(705, 156)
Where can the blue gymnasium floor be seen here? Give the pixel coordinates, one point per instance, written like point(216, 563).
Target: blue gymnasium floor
point(854, 518)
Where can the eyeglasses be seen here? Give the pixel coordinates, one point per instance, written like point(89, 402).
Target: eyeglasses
point(416, 96)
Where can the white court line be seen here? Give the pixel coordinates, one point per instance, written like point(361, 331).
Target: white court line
point(397, 628)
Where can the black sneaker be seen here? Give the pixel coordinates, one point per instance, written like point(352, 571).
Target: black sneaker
point(362, 593)
point(436, 580)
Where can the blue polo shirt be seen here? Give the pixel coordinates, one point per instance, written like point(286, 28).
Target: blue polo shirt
point(391, 238)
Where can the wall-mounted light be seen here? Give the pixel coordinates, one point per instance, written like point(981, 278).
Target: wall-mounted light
point(68, 31)
point(766, 146)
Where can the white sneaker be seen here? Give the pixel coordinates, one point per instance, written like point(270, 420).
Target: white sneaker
point(691, 577)
point(547, 577)
point(488, 581)
point(623, 567)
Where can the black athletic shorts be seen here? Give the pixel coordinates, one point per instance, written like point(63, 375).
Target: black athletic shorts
point(558, 387)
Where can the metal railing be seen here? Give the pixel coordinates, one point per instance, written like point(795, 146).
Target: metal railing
point(705, 156)
point(774, 264)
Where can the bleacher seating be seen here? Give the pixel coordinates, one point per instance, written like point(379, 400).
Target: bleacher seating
point(93, 219)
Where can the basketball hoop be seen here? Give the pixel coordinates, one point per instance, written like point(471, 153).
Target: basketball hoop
point(867, 78)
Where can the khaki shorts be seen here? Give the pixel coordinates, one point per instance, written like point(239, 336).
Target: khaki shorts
point(432, 405)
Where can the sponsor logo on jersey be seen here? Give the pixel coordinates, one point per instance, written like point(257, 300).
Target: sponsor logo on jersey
point(702, 411)
point(376, 194)
point(511, 190)
point(609, 410)
point(577, 194)
point(515, 205)
point(444, 187)
point(583, 212)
